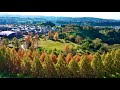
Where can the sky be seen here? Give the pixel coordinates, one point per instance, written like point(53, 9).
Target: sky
point(104, 15)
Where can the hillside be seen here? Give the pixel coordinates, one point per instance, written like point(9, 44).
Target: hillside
point(18, 19)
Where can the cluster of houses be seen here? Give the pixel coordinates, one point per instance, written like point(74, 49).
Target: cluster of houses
point(20, 30)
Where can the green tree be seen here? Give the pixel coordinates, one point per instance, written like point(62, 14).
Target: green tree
point(5, 41)
point(108, 63)
point(26, 66)
point(62, 68)
point(37, 69)
point(97, 65)
point(16, 42)
point(74, 68)
point(62, 35)
point(85, 68)
point(2, 58)
point(116, 64)
point(49, 68)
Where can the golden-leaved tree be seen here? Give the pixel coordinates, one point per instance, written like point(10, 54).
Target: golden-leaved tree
point(56, 36)
point(67, 49)
point(62, 68)
point(42, 57)
point(50, 71)
point(68, 57)
point(97, 66)
point(37, 69)
point(77, 58)
point(53, 57)
point(85, 68)
point(74, 68)
point(116, 64)
point(36, 39)
point(108, 64)
point(26, 66)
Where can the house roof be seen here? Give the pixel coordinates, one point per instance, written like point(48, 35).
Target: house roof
point(6, 33)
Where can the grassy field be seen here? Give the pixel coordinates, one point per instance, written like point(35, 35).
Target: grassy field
point(59, 45)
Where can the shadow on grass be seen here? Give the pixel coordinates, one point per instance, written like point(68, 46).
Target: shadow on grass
point(10, 75)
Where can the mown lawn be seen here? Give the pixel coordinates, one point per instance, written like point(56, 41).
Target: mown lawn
point(50, 45)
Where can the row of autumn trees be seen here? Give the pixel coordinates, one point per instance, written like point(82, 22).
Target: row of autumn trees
point(43, 65)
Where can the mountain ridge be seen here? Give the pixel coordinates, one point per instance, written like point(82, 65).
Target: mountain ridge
point(59, 19)
point(34, 16)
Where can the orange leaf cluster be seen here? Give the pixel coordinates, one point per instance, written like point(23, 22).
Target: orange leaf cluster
point(53, 57)
point(90, 57)
point(77, 58)
point(42, 57)
point(68, 57)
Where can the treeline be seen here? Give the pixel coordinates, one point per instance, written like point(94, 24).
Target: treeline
point(44, 65)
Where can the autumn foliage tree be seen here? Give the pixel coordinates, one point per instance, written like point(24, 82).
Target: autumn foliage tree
point(77, 58)
point(36, 39)
point(60, 57)
point(90, 57)
point(68, 57)
point(36, 54)
point(26, 66)
point(42, 57)
point(56, 36)
point(62, 68)
point(28, 41)
point(78, 39)
point(14, 61)
point(49, 68)
point(53, 57)
point(67, 49)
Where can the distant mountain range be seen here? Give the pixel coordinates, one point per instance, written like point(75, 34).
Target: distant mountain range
point(11, 19)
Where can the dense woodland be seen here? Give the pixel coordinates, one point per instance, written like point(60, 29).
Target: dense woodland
point(88, 52)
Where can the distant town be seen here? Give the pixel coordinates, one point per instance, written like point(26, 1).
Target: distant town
point(26, 28)
point(38, 29)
